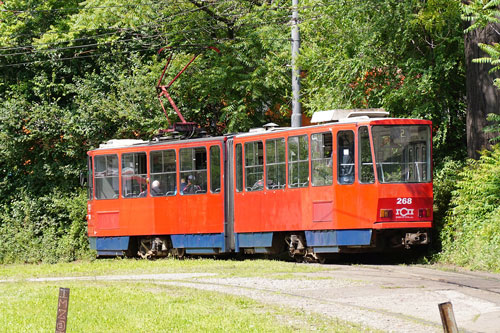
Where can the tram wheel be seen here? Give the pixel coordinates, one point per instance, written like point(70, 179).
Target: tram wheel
point(179, 253)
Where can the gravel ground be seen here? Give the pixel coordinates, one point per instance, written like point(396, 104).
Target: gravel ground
point(385, 297)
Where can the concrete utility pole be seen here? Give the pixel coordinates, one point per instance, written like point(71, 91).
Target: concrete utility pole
point(296, 107)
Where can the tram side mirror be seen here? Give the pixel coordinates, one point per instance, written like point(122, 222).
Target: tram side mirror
point(83, 178)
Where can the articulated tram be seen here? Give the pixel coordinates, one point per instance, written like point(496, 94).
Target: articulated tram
point(358, 183)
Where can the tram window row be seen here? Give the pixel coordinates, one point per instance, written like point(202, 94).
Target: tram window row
point(193, 167)
point(318, 153)
point(306, 160)
point(162, 172)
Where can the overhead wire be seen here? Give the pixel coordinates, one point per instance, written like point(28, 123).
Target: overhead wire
point(79, 57)
point(116, 29)
point(92, 37)
point(277, 20)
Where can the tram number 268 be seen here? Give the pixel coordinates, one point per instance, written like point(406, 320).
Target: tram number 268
point(404, 201)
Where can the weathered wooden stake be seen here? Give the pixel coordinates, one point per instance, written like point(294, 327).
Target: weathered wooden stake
point(448, 318)
point(62, 310)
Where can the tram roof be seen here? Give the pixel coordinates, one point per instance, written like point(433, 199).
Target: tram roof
point(130, 143)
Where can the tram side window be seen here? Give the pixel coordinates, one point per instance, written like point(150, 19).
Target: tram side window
point(254, 166)
point(163, 173)
point(345, 158)
point(366, 174)
point(298, 161)
point(90, 180)
point(239, 168)
point(106, 176)
point(215, 169)
point(193, 170)
point(276, 163)
point(321, 159)
point(134, 174)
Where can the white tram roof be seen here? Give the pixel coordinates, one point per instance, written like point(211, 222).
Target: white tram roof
point(121, 143)
point(341, 115)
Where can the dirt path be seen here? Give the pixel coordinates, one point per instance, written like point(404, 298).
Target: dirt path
point(386, 297)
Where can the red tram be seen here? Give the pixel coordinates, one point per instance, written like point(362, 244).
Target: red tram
point(355, 185)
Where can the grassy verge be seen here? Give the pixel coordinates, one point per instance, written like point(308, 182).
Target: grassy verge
point(146, 307)
point(223, 268)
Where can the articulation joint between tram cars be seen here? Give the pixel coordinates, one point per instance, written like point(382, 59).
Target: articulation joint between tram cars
point(359, 183)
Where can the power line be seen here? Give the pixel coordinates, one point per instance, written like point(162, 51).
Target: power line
point(34, 49)
point(116, 30)
point(276, 20)
point(81, 46)
point(78, 57)
point(32, 10)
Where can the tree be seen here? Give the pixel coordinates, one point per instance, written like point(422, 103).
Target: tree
point(405, 56)
point(483, 98)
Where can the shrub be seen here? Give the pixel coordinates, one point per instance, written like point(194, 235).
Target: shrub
point(50, 228)
point(471, 235)
point(446, 178)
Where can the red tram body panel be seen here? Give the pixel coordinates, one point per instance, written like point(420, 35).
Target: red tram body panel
point(356, 185)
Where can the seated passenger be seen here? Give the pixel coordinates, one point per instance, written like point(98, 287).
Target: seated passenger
point(155, 189)
point(190, 187)
point(183, 185)
point(259, 185)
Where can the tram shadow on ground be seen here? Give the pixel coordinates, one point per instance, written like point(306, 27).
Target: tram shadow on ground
point(407, 257)
point(396, 258)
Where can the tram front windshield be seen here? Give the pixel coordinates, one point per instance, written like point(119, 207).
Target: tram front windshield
point(402, 153)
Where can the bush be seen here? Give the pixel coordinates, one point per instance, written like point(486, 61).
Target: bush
point(471, 234)
point(51, 228)
point(446, 178)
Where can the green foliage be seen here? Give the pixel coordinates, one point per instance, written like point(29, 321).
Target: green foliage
point(480, 13)
point(446, 177)
point(494, 127)
point(471, 236)
point(47, 228)
point(405, 56)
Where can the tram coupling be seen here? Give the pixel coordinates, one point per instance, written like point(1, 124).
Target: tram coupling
point(415, 238)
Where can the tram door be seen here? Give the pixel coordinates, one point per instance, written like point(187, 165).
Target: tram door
point(229, 194)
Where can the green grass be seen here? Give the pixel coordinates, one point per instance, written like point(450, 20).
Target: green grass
point(146, 307)
point(128, 306)
point(223, 268)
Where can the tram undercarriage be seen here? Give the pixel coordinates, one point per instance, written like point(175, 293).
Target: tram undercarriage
point(294, 244)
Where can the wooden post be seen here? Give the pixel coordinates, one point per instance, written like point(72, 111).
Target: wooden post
point(62, 310)
point(448, 318)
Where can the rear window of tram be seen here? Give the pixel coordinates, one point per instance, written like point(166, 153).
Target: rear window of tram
point(193, 170)
point(239, 168)
point(321, 159)
point(366, 175)
point(106, 176)
point(90, 182)
point(215, 169)
point(163, 173)
point(298, 161)
point(254, 166)
point(275, 163)
point(345, 158)
point(134, 175)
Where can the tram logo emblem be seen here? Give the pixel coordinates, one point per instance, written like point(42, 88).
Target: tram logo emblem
point(404, 212)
